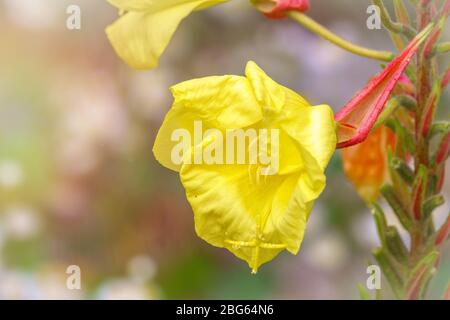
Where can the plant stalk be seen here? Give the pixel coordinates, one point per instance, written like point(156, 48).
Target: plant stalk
point(326, 34)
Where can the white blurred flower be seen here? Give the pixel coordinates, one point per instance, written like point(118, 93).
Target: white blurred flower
point(17, 285)
point(141, 268)
point(123, 289)
point(53, 286)
point(328, 252)
point(11, 174)
point(21, 222)
point(34, 13)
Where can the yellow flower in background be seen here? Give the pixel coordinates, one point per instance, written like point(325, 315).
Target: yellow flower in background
point(236, 206)
point(145, 28)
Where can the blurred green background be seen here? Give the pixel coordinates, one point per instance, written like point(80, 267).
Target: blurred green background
point(79, 184)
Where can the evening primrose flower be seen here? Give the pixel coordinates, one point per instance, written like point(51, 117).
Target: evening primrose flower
point(145, 27)
point(237, 205)
point(253, 207)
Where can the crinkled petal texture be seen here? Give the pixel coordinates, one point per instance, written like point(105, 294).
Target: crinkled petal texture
point(254, 216)
point(143, 32)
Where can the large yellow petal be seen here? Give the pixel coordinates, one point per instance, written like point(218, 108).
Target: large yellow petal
point(143, 5)
point(229, 208)
point(177, 118)
point(154, 5)
point(270, 94)
point(225, 102)
point(311, 126)
point(217, 102)
point(292, 204)
point(142, 34)
point(255, 217)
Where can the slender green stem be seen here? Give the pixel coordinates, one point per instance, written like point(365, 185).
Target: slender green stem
point(326, 34)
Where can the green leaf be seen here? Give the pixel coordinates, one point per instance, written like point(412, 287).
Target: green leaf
point(405, 143)
point(390, 271)
point(402, 187)
point(396, 247)
point(421, 275)
point(380, 222)
point(431, 204)
point(403, 170)
point(440, 128)
point(397, 206)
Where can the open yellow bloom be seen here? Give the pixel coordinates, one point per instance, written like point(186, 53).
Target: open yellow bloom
point(143, 32)
point(236, 206)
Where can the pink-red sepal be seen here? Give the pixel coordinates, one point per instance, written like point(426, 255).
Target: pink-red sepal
point(357, 117)
point(282, 6)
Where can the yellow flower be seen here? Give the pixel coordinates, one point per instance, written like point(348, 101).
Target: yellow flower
point(239, 205)
point(143, 32)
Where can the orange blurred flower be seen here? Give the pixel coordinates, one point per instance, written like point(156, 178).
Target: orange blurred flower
point(365, 164)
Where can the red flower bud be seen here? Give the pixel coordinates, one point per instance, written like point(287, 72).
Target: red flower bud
point(357, 117)
point(429, 110)
point(276, 9)
point(443, 150)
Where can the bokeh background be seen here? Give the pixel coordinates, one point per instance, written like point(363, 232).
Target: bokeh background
point(79, 184)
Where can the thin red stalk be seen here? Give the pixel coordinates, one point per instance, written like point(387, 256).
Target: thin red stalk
point(444, 150)
point(445, 79)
